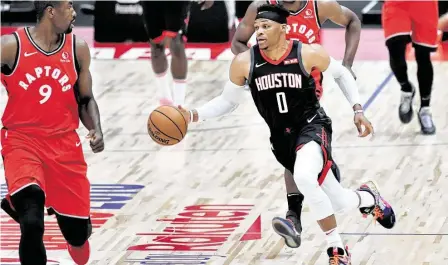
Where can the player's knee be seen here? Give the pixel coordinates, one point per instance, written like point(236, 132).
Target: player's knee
point(397, 44)
point(308, 165)
point(76, 231)
point(422, 54)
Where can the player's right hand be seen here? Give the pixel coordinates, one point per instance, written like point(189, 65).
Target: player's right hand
point(186, 113)
point(96, 141)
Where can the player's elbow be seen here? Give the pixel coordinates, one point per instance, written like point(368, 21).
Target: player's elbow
point(236, 46)
point(354, 23)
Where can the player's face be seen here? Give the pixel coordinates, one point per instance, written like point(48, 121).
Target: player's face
point(64, 16)
point(268, 33)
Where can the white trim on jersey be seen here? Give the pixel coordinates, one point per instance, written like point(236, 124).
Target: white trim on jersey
point(19, 51)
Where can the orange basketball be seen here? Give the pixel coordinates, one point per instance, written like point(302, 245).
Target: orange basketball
point(167, 125)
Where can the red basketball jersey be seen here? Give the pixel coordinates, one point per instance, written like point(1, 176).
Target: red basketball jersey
point(304, 24)
point(41, 95)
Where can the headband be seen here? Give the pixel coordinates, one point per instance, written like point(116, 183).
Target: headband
point(271, 16)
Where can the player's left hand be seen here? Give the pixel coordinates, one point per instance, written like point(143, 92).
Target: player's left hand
point(96, 141)
point(205, 4)
point(360, 121)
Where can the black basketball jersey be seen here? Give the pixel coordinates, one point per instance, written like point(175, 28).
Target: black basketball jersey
point(283, 92)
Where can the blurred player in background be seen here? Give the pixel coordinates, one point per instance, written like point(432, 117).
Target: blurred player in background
point(304, 24)
point(45, 70)
point(416, 22)
point(278, 73)
point(169, 20)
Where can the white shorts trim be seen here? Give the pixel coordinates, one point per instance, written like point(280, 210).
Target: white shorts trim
point(425, 44)
point(68, 215)
point(27, 185)
point(399, 34)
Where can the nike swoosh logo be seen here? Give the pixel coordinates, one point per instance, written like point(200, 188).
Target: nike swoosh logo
point(310, 120)
point(29, 54)
point(258, 65)
point(78, 144)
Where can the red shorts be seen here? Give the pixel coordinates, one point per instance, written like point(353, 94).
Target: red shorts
point(418, 19)
point(55, 164)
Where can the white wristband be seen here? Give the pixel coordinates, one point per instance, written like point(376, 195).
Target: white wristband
point(191, 115)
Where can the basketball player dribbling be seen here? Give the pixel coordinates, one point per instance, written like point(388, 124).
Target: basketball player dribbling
point(416, 22)
point(278, 72)
point(45, 70)
point(304, 24)
point(168, 20)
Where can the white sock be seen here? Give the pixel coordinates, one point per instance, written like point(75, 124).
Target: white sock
point(163, 85)
point(333, 238)
point(367, 199)
point(180, 85)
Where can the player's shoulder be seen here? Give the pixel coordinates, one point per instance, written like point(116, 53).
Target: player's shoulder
point(82, 49)
point(327, 7)
point(9, 47)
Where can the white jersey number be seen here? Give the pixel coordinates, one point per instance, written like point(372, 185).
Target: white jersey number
point(281, 101)
point(45, 92)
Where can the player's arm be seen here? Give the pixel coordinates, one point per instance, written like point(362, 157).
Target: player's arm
point(245, 29)
point(348, 19)
point(88, 108)
point(8, 50)
point(232, 95)
point(315, 56)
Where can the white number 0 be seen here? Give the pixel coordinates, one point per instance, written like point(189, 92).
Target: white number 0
point(281, 101)
point(45, 91)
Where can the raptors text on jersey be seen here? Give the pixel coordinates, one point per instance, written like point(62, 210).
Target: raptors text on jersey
point(304, 24)
point(41, 95)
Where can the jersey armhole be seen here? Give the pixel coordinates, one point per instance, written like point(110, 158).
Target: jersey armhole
point(299, 58)
point(5, 69)
point(252, 60)
point(317, 13)
point(77, 69)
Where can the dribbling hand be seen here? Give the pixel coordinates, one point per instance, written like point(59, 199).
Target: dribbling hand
point(96, 141)
point(360, 121)
point(186, 114)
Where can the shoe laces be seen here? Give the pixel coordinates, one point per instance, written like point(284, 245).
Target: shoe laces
point(406, 101)
point(377, 213)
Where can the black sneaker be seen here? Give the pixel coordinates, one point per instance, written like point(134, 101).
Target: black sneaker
point(339, 256)
point(405, 110)
point(289, 228)
point(425, 119)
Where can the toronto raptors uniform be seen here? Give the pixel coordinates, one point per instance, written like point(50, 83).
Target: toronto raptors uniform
point(39, 142)
point(284, 94)
point(304, 25)
point(417, 19)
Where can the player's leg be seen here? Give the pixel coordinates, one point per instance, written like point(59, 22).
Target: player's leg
point(397, 27)
point(154, 19)
point(424, 38)
point(315, 176)
point(176, 27)
point(68, 194)
point(25, 201)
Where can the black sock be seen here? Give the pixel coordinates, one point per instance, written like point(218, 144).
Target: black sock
point(295, 202)
point(397, 61)
point(30, 209)
point(425, 74)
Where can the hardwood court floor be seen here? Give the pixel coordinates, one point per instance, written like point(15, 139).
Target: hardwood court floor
point(228, 162)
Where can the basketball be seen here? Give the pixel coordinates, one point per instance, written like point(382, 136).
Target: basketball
point(167, 125)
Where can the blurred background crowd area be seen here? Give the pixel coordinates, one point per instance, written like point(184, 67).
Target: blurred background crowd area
point(120, 21)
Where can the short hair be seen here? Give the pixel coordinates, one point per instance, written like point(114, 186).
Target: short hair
point(280, 10)
point(41, 6)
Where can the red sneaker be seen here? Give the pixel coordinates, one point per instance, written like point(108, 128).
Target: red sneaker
point(80, 255)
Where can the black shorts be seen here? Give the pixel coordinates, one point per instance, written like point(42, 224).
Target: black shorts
point(285, 145)
point(165, 18)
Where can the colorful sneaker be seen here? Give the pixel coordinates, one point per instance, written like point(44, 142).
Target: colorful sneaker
point(6, 205)
point(381, 211)
point(289, 228)
point(80, 255)
point(339, 256)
